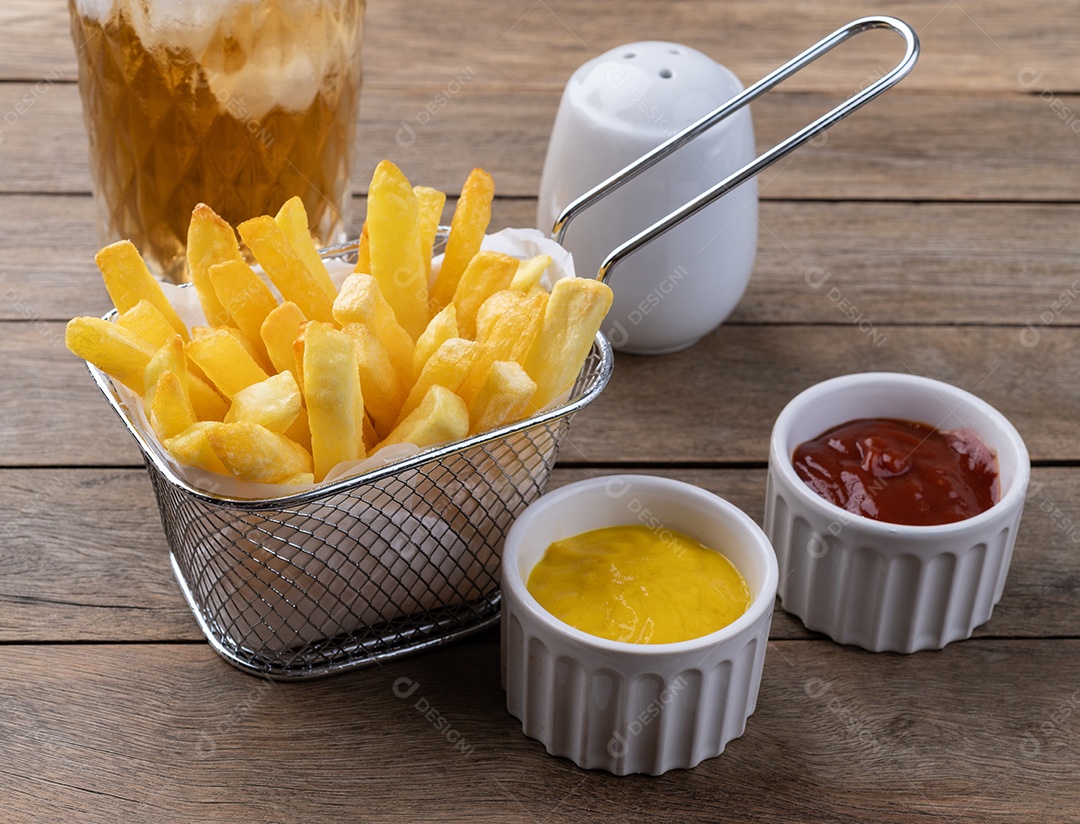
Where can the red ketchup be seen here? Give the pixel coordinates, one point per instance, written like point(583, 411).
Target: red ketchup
point(900, 472)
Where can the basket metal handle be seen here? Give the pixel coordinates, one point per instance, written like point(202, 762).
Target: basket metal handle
point(782, 149)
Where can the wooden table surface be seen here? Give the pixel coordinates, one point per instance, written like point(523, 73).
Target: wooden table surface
point(946, 214)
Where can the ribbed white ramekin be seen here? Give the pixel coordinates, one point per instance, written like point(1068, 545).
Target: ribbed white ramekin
point(881, 586)
point(633, 708)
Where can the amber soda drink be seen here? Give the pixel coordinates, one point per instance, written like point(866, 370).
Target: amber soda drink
point(239, 104)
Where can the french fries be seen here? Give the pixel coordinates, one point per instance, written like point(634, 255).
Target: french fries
point(502, 397)
point(310, 289)
point(449, 366)
point(361, 301)
point(244, 296)
point(221, 355)
point(430, 203)
point(192, 447)
point(210, 240)
point(573, 314)
point(111, 349)
point(440, 417)
point(440, 329)
point(171, 412)
point(279, 330)
point(334, 398)
point(397, 250)
point(253, 453)
point(274, 403)
point(128, 281)
point(287, 382)
point(384, 386)
point(146, 322)
point(486, 274)
point(471, 218)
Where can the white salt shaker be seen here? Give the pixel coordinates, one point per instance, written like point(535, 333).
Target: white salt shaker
point(616, 108)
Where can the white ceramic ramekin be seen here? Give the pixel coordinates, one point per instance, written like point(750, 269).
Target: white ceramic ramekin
point(881, 586)
point(633, 708)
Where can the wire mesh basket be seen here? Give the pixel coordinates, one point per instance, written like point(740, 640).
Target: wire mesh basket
point(366, 568)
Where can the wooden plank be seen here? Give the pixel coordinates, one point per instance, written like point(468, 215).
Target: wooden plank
point(994, 45)
point(717, 401)
point(712, 403)
point(170, 733)
point(998, 263)
point(83, 556)
point(907, 146)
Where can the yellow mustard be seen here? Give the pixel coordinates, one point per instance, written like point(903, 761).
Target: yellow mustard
point(639, 585)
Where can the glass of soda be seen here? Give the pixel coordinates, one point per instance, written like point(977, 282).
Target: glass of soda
point(239, 104)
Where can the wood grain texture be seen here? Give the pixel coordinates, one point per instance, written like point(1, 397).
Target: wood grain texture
point(996, 263)
point(171, 733)
point(906, 146)
point(993, 45)
point(83, 556)
point(714, 402)
point(933, 232)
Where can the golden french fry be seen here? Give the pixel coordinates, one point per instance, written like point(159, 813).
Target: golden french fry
point(146, 322)
point(430, 202)
point(511, 330)
point(253, 348)
point(440, 417)
point(293, 220)
point(279, 394)
point(503, 397)
point(363, 252)
point(205, 400)
point(170, 410)
point(253, 453)
point(299, 430)
point(471, 218)
point(278, 332)
point(224, 360)
point(210, 240)
point(571, 320)
point(397, 262)
point(494, 308)
point(440, 328)
point(335, 403)
point(245, 297)
point(449, 366)
point(361, 300)
point(169, 357)
point(383, 388)
point(273, 403)
point(298, 355)
point(311, 290)
point(474, 381)
point(113, 350)
point(192, 447)
point(486, 274)
point(529, 272)
point(128, 281)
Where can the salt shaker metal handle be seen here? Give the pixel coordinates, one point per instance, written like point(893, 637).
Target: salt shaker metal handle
point(782, 149)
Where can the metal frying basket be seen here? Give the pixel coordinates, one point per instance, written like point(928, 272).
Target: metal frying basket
point(364, 569)
point(404, 557)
